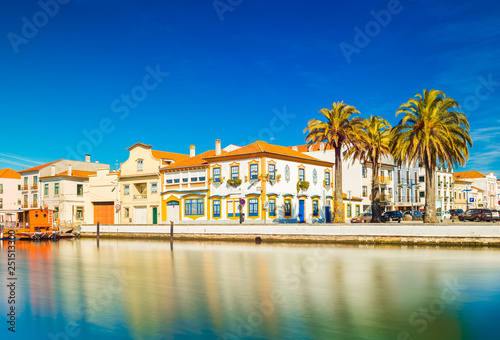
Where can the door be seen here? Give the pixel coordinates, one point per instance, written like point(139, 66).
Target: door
point(301, 211)
point(173, 211)
point(327, 214)
point(104, 212)
point(155, 215)
point(140, 215)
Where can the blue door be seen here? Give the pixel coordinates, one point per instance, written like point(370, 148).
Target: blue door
point(327, 214)
point(301, 211)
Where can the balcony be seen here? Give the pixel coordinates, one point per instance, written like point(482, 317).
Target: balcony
point(140, 197)
point(25, 205)
point(34, 187)
point(445, 185)
point(25, 187)
point(384, 180)
point(34, 205)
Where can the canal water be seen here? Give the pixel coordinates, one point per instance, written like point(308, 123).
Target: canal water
point(128, 289)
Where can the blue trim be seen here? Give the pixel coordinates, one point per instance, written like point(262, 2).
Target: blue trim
point(273, 194)
point(286, 195)
point(329, 196)
point(315, 196)
point(221, 196)
point(184, 191)
point(253, 194)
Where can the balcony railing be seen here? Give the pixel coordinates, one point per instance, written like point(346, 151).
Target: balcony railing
point(34, 205)
point(141, 197)
point(34, 187)
point(25, 205)
point(25, 187)
point(384, 180)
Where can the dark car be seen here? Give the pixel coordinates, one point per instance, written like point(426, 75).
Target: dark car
point(456, 212)
point(417, 215)
point(392, 216)
point(475, 215)
point(495, 215)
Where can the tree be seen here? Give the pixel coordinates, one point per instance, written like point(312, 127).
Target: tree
point(337, 131)
point(374, 142)
point(431, 132)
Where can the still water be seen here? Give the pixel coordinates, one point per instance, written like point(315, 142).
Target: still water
point(143, 290)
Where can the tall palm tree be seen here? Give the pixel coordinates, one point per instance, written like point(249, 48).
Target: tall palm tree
point(432, 131)
point(374, 142)
point(338, 131)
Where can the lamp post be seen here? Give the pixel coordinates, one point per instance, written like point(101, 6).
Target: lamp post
point(411, 185)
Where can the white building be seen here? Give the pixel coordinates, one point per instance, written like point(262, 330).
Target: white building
point(10, 199)
point(102, 198)
point(486, 183)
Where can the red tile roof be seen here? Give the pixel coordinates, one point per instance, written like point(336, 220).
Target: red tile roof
point(468, 174)
point(473, 187)
point(74, 173)
point(38, 167)
point(260, 147)
point(198, 160)
point(9, 173)
point(305, 147)
point(176, 157)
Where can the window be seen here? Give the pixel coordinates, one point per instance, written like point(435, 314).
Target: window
point(421, 179)
point(177, 180)
point(140, 165)
point(407, 176)
point(288, 207)
point(216, 208)
point(56, 212)
point(253, 206)
point(272, 207)
point(194, 207)
point(272, 172)
point(233, 208)
point(302, 174)
point(389, 173)
point(216, 175)
point(1, 188)
point(19, 187)
point(201, 179)
point(56, 189)
point(363, 171)
point(422, 194)
point(126, 212)
point(169, 181)
point(35, 181)
point(327, 179)
point(35, 199)
point(235, 172)
point(254, 171)
point(46, 190)
point(79, 189)
point(382, 173)
point(79, 213)
point(408, 195)
point(25, 181)
point(349, 210)
point(358, 209)
point(399, 176)
point(1, 203)
point(154, 188)
point(126, 190)
point(25, 198)
point(185, 180)
point(315, 208)
point(415, 174)
point(143, 189)
point(365, 190)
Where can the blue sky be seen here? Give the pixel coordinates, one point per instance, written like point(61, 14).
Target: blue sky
point(98, 76)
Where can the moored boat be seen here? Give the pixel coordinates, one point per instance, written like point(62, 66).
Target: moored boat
point(32, 224)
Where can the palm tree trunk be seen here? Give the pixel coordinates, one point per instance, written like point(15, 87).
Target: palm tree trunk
point(430, 194)
point(376, 213)
point(338, 202)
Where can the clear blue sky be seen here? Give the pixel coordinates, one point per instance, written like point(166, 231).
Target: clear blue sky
point(171, 73)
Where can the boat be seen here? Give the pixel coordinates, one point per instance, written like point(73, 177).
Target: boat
point(32, 224)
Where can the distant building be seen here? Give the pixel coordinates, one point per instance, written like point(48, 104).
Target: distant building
point(10, 202)
point(102, 198)
point(487, 184)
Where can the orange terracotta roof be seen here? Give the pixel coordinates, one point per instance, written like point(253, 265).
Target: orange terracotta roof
point(74, 173)
point(176, 157)
point(263, 147)
point(458, 179)
point(473, 187)
point(198, 160)
point(38, 167)
point(9, 173)
point(468, 174)
point(305, 147)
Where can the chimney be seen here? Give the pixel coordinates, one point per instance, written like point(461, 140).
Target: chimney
point(311, 148)
point(294, 148)
point(192, 151)
point(52, 170)
point(87, 158)
point(70, 172)
point(217, 147)
point(321, 146)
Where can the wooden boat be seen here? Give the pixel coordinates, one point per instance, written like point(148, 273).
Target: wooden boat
point(32, 224)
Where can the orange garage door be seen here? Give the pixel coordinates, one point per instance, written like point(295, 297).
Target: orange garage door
point(104, 212)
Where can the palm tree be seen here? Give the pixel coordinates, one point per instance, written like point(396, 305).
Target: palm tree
point(337, 131)
point(431, 132)
point(374, 142)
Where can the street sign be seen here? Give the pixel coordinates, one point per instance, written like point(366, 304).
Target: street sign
point(242, 201)
point(118, 206)
point(471, 200)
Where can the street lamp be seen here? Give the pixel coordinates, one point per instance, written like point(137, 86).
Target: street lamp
point(411, 185)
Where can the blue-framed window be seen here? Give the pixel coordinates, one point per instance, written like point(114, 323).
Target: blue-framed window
point(154, 188)
point(177, 180)
point(315, 208)
point(254, 171)
point(140, 165)
point(201, 179)
point(169, 181)
point(216, 175)
point(363, 172)
point(272, 207)
point(327, 178)
point(195, 206)
point(185, 180)
point(216, 208)
point(235, 172)
point(194, 179)
point(253, 207)
point(302, 174)
point(272, 171)
point(349, 210)
point(358, 210)
point(288, 207)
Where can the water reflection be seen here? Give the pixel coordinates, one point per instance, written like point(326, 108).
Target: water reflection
point(142, 290)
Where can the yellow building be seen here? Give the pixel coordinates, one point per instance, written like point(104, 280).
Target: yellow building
point(140, 181)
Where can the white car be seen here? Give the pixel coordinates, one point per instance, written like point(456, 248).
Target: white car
point(446, 215)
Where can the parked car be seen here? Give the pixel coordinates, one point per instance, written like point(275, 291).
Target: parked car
point(475, 215)
point(392, 216)
point(495, 216)
point(363, 218)
point(456, 212)
point(417, 215)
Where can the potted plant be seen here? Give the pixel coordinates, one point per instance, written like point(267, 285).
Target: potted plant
point(302, 185)
point(278, 177)
point(234, 182)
